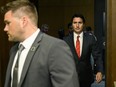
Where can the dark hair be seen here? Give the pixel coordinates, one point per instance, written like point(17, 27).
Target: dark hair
point(78, 15)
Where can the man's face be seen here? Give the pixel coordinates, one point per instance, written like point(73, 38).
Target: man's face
point(77, 25)
point(12, 26)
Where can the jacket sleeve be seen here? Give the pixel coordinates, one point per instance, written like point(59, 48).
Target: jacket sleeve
point(61, 66)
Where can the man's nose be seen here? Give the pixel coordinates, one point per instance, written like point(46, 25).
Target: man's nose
point(77, 25)
point(5, 28)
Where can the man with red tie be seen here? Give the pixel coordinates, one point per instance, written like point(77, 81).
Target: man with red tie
point(82, 45)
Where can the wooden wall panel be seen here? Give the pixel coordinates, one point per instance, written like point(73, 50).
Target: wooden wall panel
point(114, 39)
point(58, 13)
point(111, 43)
point(53, 16)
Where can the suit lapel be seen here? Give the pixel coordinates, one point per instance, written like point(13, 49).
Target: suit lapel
point(71, 43)
point(84, 44)
point(29, 57)
point(9, 68)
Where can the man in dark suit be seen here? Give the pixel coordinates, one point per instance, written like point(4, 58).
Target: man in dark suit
point(88, 45)
point(45, 61)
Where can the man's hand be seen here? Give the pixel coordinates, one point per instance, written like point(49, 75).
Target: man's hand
point(98, 77)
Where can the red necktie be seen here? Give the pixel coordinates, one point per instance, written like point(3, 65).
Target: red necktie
point(78, 46)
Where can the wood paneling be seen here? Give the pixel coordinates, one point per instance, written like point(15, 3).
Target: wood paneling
point(111, 43)
point(58, 13)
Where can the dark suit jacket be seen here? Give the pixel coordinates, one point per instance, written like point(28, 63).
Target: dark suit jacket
point(83, 64)
point(49, 63)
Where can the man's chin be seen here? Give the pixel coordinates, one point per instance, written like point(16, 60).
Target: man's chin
point(78, 31)
point(10, 39)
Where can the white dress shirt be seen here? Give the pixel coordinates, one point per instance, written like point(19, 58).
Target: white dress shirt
point(80, 39)
point(27, 44)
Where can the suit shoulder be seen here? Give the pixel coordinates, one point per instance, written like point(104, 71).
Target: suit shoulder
point(68, 37)
point(91, 35)
point(51, 39)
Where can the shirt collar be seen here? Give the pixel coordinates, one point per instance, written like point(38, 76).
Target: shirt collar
point(81, 34)
point(29, 41)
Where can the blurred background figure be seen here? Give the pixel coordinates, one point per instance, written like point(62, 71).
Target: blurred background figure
point(70, 29)
point(44, 28)
point(83, 45)
point(61, 33)
point(88, 29)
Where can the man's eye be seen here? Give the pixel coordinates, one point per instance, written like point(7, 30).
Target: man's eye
point(80, 22)
point(74, 22)
point(7, 23)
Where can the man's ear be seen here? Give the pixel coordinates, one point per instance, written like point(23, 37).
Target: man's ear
point(24, 21)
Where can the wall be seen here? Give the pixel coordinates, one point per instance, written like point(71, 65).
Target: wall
point(111, 43)
point(57, 13)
